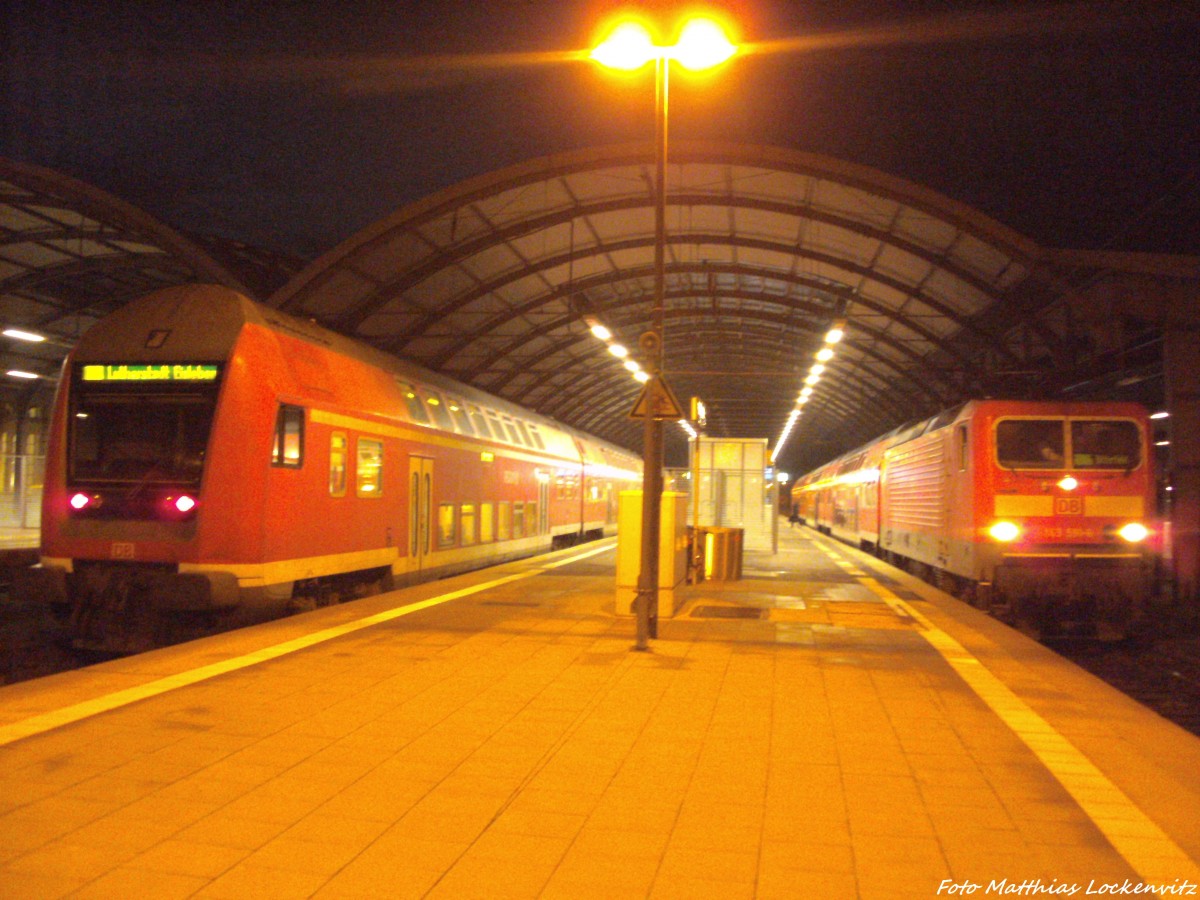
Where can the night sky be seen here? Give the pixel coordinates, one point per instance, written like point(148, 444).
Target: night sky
point(292, 125)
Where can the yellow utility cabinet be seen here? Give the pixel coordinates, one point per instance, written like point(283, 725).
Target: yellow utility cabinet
point(672, 550)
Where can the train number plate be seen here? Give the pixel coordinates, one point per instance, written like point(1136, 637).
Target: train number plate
point(1068, 506)
point(122, 550)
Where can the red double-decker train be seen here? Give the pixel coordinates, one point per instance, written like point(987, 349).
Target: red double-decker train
point(1041, 512)
point(213, 459)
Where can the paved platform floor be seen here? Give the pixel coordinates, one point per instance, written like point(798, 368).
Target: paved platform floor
point(19, 538)
point(823, 728)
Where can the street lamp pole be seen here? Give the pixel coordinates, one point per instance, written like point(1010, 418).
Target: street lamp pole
point(702, 44)
point(653, 343)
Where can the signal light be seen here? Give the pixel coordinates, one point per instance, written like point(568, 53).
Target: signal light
point(1005, 532)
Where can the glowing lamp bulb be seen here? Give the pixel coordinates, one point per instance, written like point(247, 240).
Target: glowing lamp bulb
point(702, 45)
point(79, 501)
point(629, 47)
point(184, 503)
point(1069, 483)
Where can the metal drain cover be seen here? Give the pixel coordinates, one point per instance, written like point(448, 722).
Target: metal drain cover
point(727, 612)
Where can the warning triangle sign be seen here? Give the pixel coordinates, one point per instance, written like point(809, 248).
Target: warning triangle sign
point(658, 402)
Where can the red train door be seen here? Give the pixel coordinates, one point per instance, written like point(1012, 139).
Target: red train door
point(420, 507)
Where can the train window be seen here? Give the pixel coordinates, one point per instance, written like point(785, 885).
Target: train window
point(337, 464)
point(440, 414)
point(1105, 444)
point(513, 434)
point(446, 525)
point(487, 523)
point(525, 438)
point(963, 448)
point(518, 522)
point(1030, 443)
point(497, 426)
point(139, 436)
point(416, 406)
point(466, 519)
point(537, 437)
point(288, 450)
point(567, 487)
point(479, 420)
point(531, 518)
point(504, 525)
point(458, 411)
point(370, 468)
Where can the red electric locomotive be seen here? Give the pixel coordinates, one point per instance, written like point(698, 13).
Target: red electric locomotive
point(1038, 511)
point(211, 458)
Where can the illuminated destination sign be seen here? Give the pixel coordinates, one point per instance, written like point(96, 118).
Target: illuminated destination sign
point(176, 372)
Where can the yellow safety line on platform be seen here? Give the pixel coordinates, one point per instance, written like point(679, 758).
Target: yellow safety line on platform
point(1148, 849)
point(38, 724)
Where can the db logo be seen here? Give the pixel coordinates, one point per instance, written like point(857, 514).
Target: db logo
point(122, 550)
point(1068, 506)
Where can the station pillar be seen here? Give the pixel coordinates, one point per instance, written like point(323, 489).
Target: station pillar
point(1182, 362)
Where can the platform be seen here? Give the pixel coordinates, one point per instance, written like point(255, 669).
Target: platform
point(19, 538)
point(825, 727)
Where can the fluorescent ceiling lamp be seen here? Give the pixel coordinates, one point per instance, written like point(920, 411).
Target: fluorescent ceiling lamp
point(18, 334)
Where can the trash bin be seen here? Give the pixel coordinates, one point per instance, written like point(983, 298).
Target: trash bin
point(719, 551)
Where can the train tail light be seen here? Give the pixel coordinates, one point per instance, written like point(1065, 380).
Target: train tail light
point(1005, 532)
point(179, 505)
point(1134, 532)
point(80, 501)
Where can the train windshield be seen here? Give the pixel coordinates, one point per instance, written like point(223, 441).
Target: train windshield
point(1105, 444)
point(1043, 444)
point(141, 436)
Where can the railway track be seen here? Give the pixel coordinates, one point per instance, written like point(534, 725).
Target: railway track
point(1159, 669)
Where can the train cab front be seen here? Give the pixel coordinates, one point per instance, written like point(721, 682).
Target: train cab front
point(125, 501)
point(1071, 530)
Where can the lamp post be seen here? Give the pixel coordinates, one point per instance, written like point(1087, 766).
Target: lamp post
point(702, 44)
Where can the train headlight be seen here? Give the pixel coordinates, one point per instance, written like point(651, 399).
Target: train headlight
point(1069, 483)
point(1005, 532)
point(1134, 532)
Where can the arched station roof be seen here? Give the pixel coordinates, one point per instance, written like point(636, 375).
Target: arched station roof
point(70, 253)
point(495, 280)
